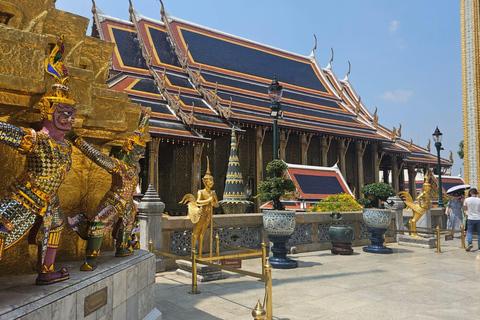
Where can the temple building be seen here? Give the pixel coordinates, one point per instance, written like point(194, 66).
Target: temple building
point(200, 83)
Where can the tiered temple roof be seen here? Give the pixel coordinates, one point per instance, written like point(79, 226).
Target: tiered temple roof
point(198, 80)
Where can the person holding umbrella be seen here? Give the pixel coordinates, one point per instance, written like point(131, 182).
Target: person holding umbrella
point(472, 208)
point(454, 213)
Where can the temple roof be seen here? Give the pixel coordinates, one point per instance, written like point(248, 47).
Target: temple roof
point(209, 81)
point(313, 184)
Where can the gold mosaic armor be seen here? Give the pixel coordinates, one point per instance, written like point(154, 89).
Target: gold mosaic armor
point(34, 192)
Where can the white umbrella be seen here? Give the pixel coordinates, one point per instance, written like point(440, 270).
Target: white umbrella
point(460, 187)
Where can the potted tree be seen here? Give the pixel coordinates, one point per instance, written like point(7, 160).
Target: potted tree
point(278, 222)
point(376, 192)
point(376, 219)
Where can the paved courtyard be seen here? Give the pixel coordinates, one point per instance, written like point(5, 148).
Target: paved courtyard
point(411, 283)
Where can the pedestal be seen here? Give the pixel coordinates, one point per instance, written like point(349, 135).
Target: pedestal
point(150, 213)
point(204, 272)
point(419, 242)
point(120, 288)
point(279, 250)
point(341, 248)
point(377, 241)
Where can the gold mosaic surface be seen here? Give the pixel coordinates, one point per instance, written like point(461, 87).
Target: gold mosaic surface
point(106, 117)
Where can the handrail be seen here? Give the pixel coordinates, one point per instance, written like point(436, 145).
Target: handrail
point(265, 276)
point(437, 231)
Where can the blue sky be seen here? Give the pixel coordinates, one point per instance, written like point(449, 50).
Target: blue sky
point(405, 55)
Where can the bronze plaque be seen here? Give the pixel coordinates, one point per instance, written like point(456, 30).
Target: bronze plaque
point(95, 301)
point(232, 263)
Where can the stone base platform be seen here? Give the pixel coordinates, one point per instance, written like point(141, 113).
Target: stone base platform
point(406, 240)
point(120, 288)
point(204, 273)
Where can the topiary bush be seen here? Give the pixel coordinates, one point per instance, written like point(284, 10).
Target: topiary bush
point(377, 191)
point(277, 186)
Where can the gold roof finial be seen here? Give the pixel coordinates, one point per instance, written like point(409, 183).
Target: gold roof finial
point(410, 146)
point(399, 132)
point(393, 134)
point(331, 59)
point(375, 118)
point(428, 145)
point(162, 10)
point(451, 156)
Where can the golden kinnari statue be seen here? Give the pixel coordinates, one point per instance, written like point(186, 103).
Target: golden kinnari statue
point(419, 208)
point(200, 210)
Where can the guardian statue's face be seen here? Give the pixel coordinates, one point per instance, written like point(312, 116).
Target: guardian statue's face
point(64, 116)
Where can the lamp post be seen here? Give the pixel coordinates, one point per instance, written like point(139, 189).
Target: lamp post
point(275, 94)
point(437, 137)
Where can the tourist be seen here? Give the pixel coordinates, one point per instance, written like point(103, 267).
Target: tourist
point(472, 209)
point(454, 213)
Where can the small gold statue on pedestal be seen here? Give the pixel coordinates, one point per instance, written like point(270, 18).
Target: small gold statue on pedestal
point(200, 210)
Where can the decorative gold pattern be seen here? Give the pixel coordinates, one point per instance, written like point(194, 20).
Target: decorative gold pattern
point(470, 28)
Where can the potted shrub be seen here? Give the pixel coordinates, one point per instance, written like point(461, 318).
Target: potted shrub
point(341, 236)
point(377, 191)
point(377, 220)
point(278, 222)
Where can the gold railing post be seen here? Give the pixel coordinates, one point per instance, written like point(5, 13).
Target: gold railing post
point(211, 237)
point(268, 290)
point(258, 312)
point(462, 235)
point(264, 256)
point(438, 240)
point(150, 245)
point(217, 248)
point(194, 273)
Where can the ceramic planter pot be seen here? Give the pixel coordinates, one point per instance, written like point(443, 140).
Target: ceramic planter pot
point(377, 221)
point(377, 218)
point(341, 238)
point(340, 234)
point(280, 224)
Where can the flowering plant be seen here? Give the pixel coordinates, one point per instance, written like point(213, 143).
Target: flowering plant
point(336, 203)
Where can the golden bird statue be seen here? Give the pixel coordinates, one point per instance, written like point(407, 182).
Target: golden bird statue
point(419, 208)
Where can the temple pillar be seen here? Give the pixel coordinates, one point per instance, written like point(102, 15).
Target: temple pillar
point(284, 135)
point(395, 174)
point(154, 146)
point(324, 146)
point(305, 141)
point(386, 178)
point(359, 152)
point(197, 168)
point(376, 163)
point(343, 147)
point(412, 186)
point(259, 137)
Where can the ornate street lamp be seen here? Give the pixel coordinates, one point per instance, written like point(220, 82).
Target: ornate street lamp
point(437, 137)
point(275, 94)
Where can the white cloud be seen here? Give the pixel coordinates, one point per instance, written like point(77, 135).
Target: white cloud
point(397, 96)
point(394, 25)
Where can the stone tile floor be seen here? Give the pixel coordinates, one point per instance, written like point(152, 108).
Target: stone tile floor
point(411, 283)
